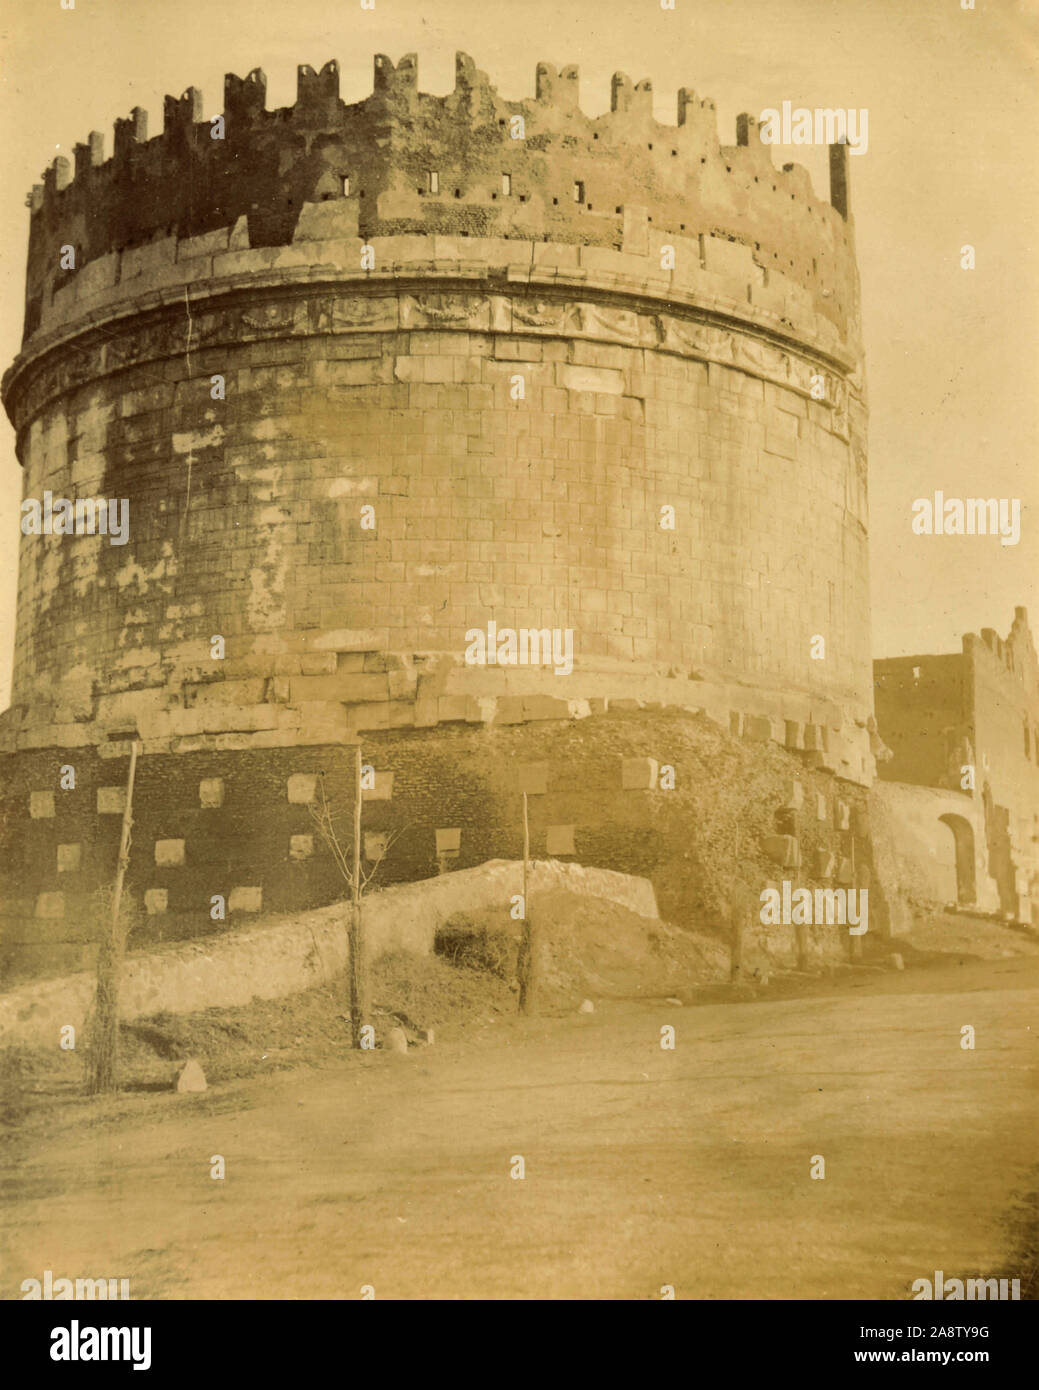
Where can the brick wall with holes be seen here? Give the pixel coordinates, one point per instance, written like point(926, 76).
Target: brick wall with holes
point(238, 825)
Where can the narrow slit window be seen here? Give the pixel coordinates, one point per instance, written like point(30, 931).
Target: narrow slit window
point(506, 185)
point(345, 181)
point(578, 190)
point(434, 181)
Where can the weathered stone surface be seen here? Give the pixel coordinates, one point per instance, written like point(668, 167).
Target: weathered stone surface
point(111, 801)
point(375, 843)
point(639, 774)
point(824, 864)
point(69, 858)
point(169, 853)
point(302, 788)
point(783, 849)
point(245, 900)
point(757, 727)
point(795, 796)
point(211, 792)
point(559, 839)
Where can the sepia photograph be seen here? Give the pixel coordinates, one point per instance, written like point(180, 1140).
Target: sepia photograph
point(519, 704)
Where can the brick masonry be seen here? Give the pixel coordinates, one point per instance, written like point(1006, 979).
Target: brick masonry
point(456, 803)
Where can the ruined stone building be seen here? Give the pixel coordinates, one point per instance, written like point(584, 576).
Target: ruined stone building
point(371, 376)
point(966, 726)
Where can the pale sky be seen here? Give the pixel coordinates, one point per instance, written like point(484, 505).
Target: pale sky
point(953, 101)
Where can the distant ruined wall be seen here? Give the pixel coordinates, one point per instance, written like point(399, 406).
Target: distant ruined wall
point(1005, 684)
point(978, 709)
point(923, 845)
point(922, 706)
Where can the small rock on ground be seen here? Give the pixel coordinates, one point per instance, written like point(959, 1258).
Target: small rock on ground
point(191, 1077)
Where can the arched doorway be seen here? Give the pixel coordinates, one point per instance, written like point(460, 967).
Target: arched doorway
point(963, 837)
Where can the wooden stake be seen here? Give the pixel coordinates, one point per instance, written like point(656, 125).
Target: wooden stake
point(358, 963)
point(736, 949)
point(528, 964)
point(109, 961)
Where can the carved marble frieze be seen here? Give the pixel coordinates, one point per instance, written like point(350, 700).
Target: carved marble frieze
point(255, 316)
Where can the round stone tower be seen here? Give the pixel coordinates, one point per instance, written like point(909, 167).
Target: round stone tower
point(366, 388)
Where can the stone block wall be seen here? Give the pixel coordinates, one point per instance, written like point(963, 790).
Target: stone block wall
point(544, 511)
point(357, 413)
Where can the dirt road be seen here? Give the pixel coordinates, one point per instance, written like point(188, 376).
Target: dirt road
point(643, 1167)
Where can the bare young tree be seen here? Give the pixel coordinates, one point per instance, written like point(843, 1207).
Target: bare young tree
point(527, 962)
point(116, 923)
point(357, 879)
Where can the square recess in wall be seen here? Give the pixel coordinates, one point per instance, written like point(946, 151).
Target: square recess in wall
point(211, 792)
point(69, 857)
point(383, 789)
point(639, 774)
point(449, 841)
point(245, 900)
point(375, 842)
point(559, 839)
point(169, 854)
point(156, 901)
point(302, 788)
point(111, 801)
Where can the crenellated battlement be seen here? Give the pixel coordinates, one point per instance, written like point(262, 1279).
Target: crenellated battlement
point(458, 165)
